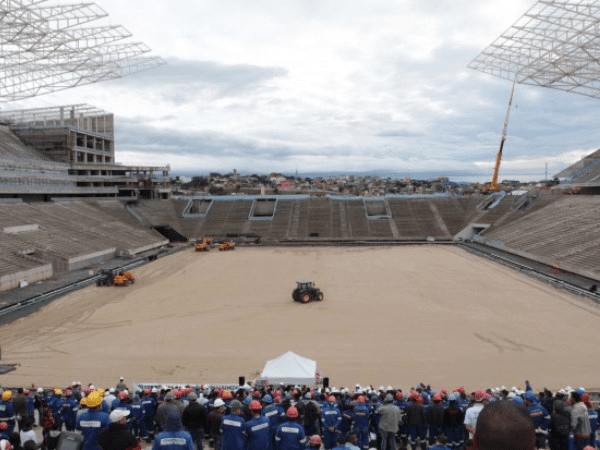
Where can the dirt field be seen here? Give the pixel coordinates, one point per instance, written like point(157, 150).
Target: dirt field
point(391, 316)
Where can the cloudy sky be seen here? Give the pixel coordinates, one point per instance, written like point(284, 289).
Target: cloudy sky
point(331, 85)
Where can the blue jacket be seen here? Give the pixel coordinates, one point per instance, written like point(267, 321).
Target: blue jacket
point(290, 436)
point(173, 440)
point(70, 406)
point(232, 429)
point(539, 416)
point(275, 414)
point(91, 423)
point(360, 417)
point(330, 416)
point(258, 434)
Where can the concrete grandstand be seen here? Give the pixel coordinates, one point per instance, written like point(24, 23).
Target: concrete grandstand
point(67, 205)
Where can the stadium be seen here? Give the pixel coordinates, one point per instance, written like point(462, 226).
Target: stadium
point(480, 291)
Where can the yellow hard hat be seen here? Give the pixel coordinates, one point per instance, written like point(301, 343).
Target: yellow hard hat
point(58, 391)
point(94, 399)
point(6, 395)
point(101, 390)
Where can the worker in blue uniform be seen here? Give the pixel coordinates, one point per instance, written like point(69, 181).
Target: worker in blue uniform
point(55, 403)
point(137, 416)
point(70, 407)
point(173, 437)
point(7, 411)
point(276, 415)
point(232, 428)
point(539, 417)
point(401, 404)
point(290, 435)
point(148, 410)
point(92, 421)
point(256, 429)
point(360, 422)
point(331, 418)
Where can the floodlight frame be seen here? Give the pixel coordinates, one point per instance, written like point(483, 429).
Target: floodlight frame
point(48, 48)
point(555, 44)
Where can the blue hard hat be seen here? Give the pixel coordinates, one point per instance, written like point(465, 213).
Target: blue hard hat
point(518, 400)
point(247, 400)
point(530, 396)
point(267, 399)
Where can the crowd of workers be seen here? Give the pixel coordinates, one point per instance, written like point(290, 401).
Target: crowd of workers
point(288, 418)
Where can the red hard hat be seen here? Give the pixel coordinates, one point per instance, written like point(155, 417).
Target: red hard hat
point(68, 392)
point(315, 440)
point(331, 398)
point(256, 394)
point(437, 398)
point(399, 395)
point(292, 412)
point(295, 392)
point(361, 399)
point(3, 426)
point(123, 395)
point(227, 396)
point(254, 405)
point(147, 391)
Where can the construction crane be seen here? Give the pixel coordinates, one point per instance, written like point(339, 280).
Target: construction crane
point(494, 185)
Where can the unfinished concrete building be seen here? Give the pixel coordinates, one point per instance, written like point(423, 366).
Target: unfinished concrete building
point(69, 151)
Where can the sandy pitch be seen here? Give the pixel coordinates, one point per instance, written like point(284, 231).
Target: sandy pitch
point(391, 316)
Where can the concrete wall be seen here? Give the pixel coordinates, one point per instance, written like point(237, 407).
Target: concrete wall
point(13, 280)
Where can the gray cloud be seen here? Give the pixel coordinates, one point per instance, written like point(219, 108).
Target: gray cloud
point(180, 79)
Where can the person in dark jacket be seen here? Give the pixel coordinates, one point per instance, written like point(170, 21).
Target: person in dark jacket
point(117, 436)
point(434, 415)
point(194, 419)
point(454, 418)
point(560, 426)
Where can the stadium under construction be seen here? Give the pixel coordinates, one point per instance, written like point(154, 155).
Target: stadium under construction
point(67, 206)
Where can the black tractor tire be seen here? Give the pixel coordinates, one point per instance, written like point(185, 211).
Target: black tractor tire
point(305, 297)
point(320, 297)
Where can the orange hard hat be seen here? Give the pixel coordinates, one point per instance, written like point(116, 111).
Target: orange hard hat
point(254, 405)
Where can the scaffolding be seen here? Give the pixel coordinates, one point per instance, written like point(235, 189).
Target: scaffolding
point(47, 48)
point(555, 44)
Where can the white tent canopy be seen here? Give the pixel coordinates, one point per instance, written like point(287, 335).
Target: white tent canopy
point(290, 368)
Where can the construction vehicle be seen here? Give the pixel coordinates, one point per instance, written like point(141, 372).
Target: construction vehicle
point(228, 245)
point(494, 185)
point(306, 291)
point(109, 277)
point(205, 245)
point(202, 247)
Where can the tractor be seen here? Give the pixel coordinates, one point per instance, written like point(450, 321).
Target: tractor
point(110, 278)
point(306, 291)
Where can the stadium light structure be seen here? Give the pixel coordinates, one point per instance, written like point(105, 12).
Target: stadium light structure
point(555, 44)
point(46, 48)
